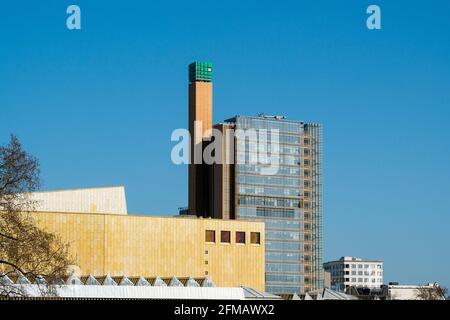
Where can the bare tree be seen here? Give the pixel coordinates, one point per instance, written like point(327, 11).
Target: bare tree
point(25, 249)
point(434, 292)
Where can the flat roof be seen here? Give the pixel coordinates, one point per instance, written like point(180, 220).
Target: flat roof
point(149, 216)
point(77, 189)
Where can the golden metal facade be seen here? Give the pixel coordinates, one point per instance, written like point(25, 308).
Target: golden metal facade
point(160, 246)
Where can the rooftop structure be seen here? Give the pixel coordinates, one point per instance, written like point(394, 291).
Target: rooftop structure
point(200, 71)
point(107, 287)
point(110, 200)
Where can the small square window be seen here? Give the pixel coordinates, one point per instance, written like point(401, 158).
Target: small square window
point(210, 236)
point(255, 238)
point(225, 236)
point(240, 237)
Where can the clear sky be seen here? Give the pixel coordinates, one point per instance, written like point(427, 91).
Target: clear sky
point(97, 106)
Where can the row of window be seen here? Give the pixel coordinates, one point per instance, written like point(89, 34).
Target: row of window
point(252, 158)
point(283, 126)
point(268, 202)
point(282, 224)
point(269, 191)
point(282, 256)
point(271, 145)
point(225, 237)
point(276, 213)
point(282, 267)
point(359, 273)
point(268, 138)
point(282, 170)
point(282, 278)
point(355, 266)
point(365, 280)
point(268, 180)
point(282, 235)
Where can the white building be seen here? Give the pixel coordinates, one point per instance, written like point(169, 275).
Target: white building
point(109, 200)
point(351, 271)
point(412, 292)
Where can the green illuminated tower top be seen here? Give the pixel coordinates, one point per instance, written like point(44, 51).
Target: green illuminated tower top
point(200, 71)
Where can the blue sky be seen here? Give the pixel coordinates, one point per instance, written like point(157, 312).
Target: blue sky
point(97, 106)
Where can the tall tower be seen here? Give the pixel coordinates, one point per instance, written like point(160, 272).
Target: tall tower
point(200, 125)
point(288, 201)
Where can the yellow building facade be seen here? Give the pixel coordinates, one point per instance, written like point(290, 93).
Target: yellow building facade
point(229, 252)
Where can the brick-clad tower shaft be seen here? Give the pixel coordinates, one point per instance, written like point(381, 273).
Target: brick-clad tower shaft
point(200, 125)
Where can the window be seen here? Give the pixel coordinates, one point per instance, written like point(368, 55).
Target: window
point(255, 238)
point(210, 236)
point(240, 237)
point(306, 141)
point(306, 162)
point(225, 236)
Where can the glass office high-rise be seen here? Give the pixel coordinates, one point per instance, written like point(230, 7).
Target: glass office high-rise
point(289, 201)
